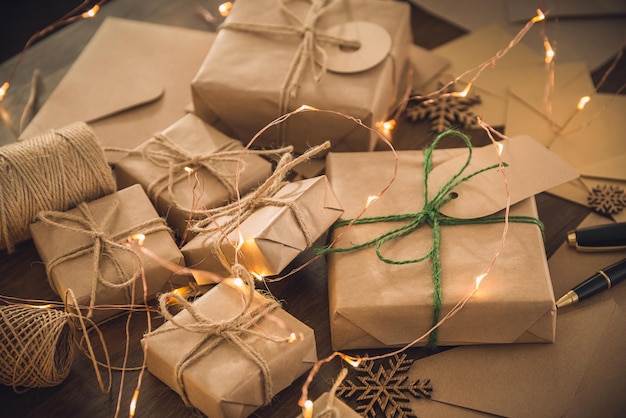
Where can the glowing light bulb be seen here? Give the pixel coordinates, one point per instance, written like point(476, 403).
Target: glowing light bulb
point(238, 282)
point(583, 102)
point(3, 90)
point(292, 338)
point(352, 361)
point(370, 200)
point(139, 238)
point(133, 404)
point(479, 279)
point(240, 241)
point(549, 52)
point(305, 107)
point(463, 93)
point(91, 12)
point(540, 16)
point(224, 8)
point(386, 127)
point(257, 276)
point(189, 170)
point(48, 306)
point(308, 409)
point(500, 147)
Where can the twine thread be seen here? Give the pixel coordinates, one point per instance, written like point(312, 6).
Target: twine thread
point(53, 171)
point(102, 245)
point(227, 218)
point(233, 331)
point(430, 215)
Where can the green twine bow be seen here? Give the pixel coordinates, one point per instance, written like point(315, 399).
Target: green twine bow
point(430, 214)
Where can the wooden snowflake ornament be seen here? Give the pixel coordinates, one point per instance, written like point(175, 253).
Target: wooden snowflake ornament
point(385, 392)
point(444, 111)
point(607, 200)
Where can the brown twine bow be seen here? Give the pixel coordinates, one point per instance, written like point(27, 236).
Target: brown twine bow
point(225, 219)
point(309, 51)
point(102, 245)
point(233, 331)
point(165, 153)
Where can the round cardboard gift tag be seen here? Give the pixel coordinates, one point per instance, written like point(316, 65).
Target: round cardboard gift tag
point(375, 46)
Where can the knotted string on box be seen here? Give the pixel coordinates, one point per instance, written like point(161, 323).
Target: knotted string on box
point(234, 331)
point(101, 245)
point(429, 215)
point(309, 51)
point(53, 171)
point(227, 218)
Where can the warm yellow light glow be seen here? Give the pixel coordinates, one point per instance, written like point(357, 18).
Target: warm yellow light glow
point(308, 409)
point(240, 240)
point(238, 282)
point(91, 12)
point(140, 238)
point(3, 90)
point(225, 7)
point(386, 127)
point(257, 276)
point(306, 107)
point(463, 93)
point(479, 279)
point(549, 51)
point(583, 102)
point(370, 200)
point(48, 306)
point(500, 148)
point(540, 16)
point(133, 404)
point(189, 170)
point(292, 338)
point(352, 361)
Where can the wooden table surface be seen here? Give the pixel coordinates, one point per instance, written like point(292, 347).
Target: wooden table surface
point(304, 295)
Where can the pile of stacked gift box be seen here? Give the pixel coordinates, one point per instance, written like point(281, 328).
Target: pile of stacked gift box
point(203, 200)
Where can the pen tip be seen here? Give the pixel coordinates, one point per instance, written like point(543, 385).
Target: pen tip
point(567, 299)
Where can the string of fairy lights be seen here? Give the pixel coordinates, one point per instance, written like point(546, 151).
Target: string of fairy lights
point(383, 130)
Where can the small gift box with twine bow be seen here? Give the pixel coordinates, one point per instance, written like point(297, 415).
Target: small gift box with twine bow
point(273, 56)
point(84, 249)
point(412, 265)
point(190, 167)
point(269, 227)
point(230, 351)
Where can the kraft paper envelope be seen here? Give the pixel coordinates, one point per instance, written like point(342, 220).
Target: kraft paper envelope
point(590, 139)
point(471, 50)
point(131, 80)
point(582, 374)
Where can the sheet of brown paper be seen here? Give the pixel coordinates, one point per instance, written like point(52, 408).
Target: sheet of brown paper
point(241, 91)
point(224, 382)
point(531, 169)
point(582, 374)
point(131, 80)
point(394, 304)
point(272, 237)
point(202, 190)
point(134, 208)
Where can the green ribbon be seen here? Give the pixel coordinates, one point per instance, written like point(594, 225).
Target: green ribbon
point(430, 214)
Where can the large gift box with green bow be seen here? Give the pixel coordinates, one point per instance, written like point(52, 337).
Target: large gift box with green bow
point(273, 56)
point(404, 266)
point(225, 358)
point(190, 167)
point(86, 250)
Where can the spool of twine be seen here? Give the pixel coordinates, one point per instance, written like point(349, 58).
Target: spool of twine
point(53, 171)
point(35, 347)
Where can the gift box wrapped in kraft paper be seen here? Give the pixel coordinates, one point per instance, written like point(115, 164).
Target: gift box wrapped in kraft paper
point(84, 250)
point(274, 230)
point(398, 298)
point(189, 167)
point(271, 57)
point(227, 359)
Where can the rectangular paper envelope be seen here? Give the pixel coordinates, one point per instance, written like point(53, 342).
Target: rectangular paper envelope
point(131, 80)
point(581, 375)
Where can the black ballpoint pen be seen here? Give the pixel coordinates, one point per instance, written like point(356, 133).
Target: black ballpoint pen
point(608, 237)
point(601, 280)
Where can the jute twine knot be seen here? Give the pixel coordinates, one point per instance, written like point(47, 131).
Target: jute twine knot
point(227, 218)
point(35, 346)
point(53, 171)
point(235, 331)
point(309, 51)
point(102, 245)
